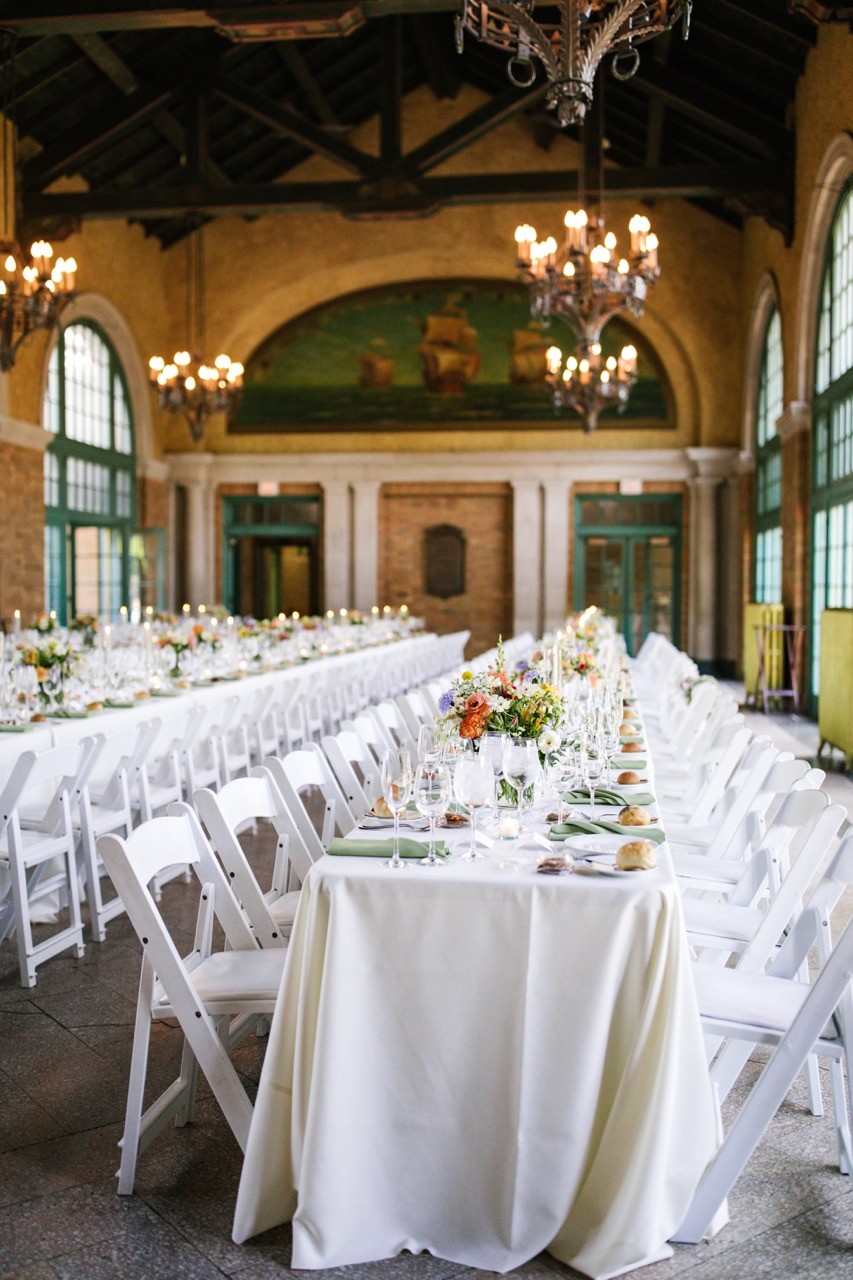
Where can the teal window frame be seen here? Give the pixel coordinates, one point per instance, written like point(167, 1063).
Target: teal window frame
point(831, 585)
point(767, 584)
point(71, 455)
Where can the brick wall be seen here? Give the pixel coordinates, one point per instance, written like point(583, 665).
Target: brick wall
point(484, 513)
point(152, 504)
point(21, 531)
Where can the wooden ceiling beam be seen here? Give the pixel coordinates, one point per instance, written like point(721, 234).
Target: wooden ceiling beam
point(716, 111)
point(73, 149)
point(700, 181)
point(123, 77)
point(288, 51)
point(391, 79)
point(444, 75)
point(74, 17)
point(465, 132)
point(284, 121)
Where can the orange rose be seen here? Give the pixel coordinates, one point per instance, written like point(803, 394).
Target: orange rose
point(472, 726)
point(476, 703)
point(41, 674)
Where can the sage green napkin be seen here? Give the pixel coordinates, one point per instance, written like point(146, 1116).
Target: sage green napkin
point(623, 761)
point(579, 826)
point(385, 848)
point(632, 737)
point(603, 796)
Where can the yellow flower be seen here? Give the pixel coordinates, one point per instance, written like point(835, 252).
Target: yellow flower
point(467, 675)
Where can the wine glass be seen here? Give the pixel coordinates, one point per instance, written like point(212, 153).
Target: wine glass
point(492, 747)
point(396, 788)
point(432, 792)
point(429, 743)
point(591, 769)
point(520, 766)
point(610, 740)
point(474, 787)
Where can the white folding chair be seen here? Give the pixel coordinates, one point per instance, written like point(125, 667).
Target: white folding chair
point(796, 1020)
point(355, 768)
point(106, 805)
point(228, 813)
point(204, 990)
point(298, 774)
point(37, 846)
point(387, 715)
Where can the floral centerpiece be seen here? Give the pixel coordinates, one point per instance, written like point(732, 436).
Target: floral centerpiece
point(53, 662)
point(179, 642)
point(44, 623)
point(87, 624)
point(205, 635)
point(521, 704)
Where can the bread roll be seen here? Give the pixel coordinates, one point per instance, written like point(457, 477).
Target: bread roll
point(628, 713)
point(632, 746)
point(628, 778)
point(381, 809)
point(634, 815)
point(627, 727)
point(636, 855)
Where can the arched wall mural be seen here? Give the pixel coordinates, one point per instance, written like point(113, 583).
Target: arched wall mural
point(435, 354)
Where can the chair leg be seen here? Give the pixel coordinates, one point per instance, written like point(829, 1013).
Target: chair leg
point(24, 934)
point(842, 1119)
point(189, 1077)
point(136, 1085)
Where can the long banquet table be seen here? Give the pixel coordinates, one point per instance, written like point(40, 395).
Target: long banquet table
point(482, 1063)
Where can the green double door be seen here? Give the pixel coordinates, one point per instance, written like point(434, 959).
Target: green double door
point(628, 562)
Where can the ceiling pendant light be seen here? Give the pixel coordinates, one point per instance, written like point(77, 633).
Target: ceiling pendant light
point(187, 384)
point(570, 49)
point(34, 288)
point(589, 383)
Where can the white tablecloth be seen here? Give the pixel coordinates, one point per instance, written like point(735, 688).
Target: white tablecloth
point(482, 1064)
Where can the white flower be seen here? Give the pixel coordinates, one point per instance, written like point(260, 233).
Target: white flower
point(549, 740)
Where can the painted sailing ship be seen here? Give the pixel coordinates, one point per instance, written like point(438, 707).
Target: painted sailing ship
point(449, 351)
point(528, 363)
point(377, 371)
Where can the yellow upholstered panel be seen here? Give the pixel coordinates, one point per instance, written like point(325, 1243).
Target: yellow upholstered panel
point(758, 615)
point(835, 708)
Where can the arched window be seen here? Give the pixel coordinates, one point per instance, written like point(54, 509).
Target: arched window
point(768, 468)
point(89, 477)
point(832, 459)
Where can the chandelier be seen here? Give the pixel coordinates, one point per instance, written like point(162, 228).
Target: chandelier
point(589, 383)
point(33, 287)
point(586, 280)
point(186, 384)
point(570, 49)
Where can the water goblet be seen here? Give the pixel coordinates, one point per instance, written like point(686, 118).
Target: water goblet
point(429, 743)
point(396, 788)
point(520, 767)
point(474, 787)
point(591, 769)
point(432, 792)
point(492, 747)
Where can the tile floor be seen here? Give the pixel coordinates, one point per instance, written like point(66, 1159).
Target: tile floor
point(64, 1054)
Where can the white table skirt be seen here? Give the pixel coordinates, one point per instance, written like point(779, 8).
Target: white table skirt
point(482, 1064)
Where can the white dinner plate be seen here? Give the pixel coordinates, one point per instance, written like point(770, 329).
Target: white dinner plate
point(629, 789)
point(583, 844)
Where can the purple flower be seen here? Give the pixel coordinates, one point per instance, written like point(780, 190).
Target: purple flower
point(445, 702)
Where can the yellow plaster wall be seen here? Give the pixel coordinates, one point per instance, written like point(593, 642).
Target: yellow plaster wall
point(824, 107)
point(268, 271)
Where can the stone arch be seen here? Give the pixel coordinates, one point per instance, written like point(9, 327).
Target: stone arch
point(835, 171)
point(97, 308)
point(765, 300)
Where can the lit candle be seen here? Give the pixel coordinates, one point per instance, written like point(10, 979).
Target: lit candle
point(16, 621)
point(508, 826)
point(185, 610)
point(123, 613)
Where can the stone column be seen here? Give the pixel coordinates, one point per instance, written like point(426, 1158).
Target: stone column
point(365, 544)
point(555, 553)
point(337, 570)
point(526, 556)
point(200, 534)
point(794, 431)
point(706, 576)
